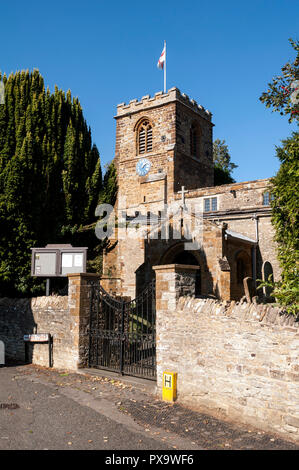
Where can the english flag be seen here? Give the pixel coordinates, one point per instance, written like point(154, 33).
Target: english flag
point(162, 59)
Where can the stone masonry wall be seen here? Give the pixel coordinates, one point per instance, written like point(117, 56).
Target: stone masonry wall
point(41, 315)
point(65, 318)
point(236, 360)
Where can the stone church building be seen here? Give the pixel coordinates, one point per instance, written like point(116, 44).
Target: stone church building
point(164, 159)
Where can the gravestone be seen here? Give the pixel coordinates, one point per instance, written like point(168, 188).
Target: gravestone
point(249, 288)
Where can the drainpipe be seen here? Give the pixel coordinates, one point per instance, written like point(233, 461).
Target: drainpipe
point(253, 252)
point(255, 218)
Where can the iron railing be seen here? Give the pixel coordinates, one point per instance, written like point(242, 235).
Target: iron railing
point(122, 334)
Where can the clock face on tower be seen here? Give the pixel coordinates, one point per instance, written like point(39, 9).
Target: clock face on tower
point(143, 167)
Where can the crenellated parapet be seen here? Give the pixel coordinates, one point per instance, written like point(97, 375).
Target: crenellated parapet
point(160, 99)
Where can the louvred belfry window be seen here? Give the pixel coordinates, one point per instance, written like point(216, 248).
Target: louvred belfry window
point(193, 141)
point(145, 137)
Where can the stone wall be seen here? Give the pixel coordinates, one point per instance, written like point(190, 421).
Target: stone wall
point(234, 196)
point(66, 318)
point(19, 317)
point(236, 360)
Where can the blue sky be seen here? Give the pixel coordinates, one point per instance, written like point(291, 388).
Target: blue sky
point(221, 53)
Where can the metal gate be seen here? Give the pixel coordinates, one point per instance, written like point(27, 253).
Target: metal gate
point(122, 334)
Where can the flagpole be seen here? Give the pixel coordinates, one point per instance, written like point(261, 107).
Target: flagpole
point(165, 69)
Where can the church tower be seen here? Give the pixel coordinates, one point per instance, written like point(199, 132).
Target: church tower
point(162, 144)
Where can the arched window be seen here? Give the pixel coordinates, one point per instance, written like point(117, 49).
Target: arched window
point(145, 137)
point(267, 273)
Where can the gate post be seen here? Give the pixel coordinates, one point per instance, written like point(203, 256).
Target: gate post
point(79, 298)
point(172, 282)
point(121, 355)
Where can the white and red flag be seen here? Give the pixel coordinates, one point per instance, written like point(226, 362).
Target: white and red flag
point(162, 59)
point(162, 64)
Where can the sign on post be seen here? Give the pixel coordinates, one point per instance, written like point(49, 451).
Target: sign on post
point(37, 338)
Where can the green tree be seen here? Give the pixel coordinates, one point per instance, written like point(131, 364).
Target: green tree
point(108, 195)
point(284, 188)
point(283, 97)
point(282, 94)
point(109, 192)
point(50, 176)
point(223, 166)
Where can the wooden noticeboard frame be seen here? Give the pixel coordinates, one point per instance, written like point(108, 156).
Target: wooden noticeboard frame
point(59, 251)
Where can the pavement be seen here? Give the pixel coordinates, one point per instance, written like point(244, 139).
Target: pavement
point(47, 409)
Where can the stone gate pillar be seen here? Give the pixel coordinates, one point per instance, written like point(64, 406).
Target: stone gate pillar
point(172, 282)
point(79, 308)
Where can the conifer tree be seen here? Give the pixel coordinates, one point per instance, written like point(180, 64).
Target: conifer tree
point(50, 175)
